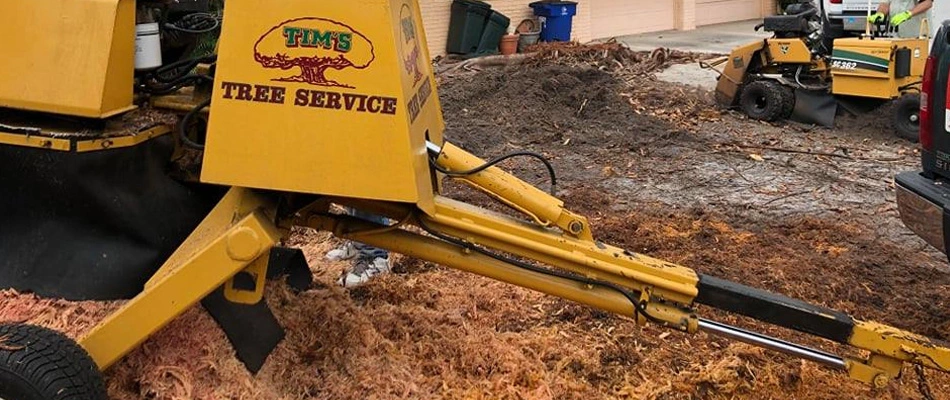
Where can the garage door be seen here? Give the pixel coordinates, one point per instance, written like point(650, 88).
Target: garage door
point(719, 11)
point(610, 18)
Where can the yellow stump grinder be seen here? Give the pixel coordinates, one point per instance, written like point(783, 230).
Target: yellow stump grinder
point(802, 74)
point(278, 117)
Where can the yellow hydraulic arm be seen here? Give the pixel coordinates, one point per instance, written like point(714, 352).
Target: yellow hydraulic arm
point(550, 254)
point(466, 237)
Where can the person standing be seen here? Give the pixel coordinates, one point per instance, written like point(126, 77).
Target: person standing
point(906, 15)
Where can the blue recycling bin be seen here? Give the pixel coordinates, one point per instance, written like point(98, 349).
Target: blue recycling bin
point(556, 19)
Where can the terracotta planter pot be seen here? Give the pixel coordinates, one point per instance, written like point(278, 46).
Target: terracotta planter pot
point(509, 44)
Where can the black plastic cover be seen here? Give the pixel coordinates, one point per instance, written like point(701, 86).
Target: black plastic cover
point(775, 309)
point(93, 225)
point(902, 63)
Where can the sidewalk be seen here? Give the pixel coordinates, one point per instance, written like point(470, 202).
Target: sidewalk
point(721, 38)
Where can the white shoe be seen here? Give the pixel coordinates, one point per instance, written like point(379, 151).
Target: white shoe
point(344, 252)
point(363, 271)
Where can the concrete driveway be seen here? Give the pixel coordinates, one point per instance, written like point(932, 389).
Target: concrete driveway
point(720, 38)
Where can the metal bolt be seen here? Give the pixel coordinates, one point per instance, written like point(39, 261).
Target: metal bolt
point(243, 244)
point(880, 381)
point(576, 227)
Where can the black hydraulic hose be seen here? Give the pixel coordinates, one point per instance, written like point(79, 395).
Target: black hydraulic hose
point(186, 121)
point(196, 23)
point(173, 71)
point(461, 174)
point(174, 85)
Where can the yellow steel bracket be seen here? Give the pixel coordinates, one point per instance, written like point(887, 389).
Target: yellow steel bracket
point(238, 231)
point(876, 371)
point(890, 348)
point(257, 271)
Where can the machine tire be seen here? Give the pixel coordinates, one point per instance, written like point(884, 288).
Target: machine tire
point(789, 104)
point(41, 364)
point(907, 117)
point(766, 100)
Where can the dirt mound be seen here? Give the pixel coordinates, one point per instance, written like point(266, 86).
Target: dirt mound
point(502, 109)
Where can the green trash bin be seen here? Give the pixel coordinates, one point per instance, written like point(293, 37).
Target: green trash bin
point(466, 25)
point(496, 27)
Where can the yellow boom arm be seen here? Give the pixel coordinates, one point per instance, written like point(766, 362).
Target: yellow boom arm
point(560, 262)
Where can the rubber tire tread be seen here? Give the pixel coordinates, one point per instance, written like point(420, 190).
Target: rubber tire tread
point(788, 101)
point(51, 365)
point(775, 96)
point(910, 102)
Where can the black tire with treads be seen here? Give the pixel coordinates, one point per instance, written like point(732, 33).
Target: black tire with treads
point(788, 105)
point(766, 100)
point(41, 364)
point(907, 117)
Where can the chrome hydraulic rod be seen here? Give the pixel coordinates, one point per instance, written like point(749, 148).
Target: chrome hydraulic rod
point(768, 342)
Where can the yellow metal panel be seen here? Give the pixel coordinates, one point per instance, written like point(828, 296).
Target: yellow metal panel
point(70, 57)
point(788, 51)
point(121, 141)
point(865, 67)
point(335, 98)
point(734, 72)
point(19, 139)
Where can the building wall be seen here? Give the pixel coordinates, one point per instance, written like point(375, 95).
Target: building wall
point(601, 19)
point(436, 13)
point(623, 17)
point(719, 11)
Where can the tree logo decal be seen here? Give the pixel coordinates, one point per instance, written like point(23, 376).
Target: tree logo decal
point(315, 46)
point(412, 52)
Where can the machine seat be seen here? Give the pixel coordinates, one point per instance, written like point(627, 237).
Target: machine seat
point(785, 23)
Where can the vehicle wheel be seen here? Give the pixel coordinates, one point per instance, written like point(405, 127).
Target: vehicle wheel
point(41, 364)
point(789, 104)
point(907, 117)
point(766, 100)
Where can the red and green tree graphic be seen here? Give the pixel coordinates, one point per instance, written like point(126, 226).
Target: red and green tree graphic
point(410, 40)
point(316, 46)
